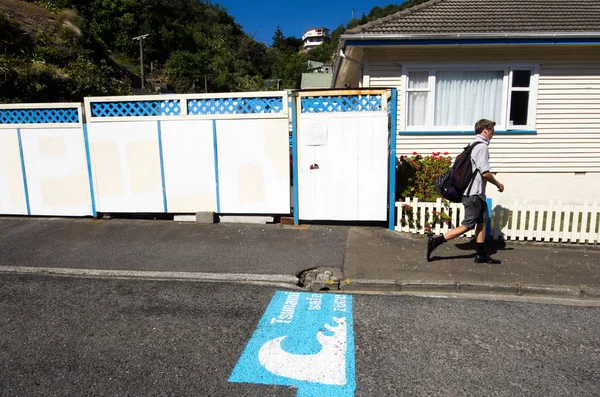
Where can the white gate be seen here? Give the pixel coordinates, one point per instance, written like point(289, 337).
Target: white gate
point(343, 149)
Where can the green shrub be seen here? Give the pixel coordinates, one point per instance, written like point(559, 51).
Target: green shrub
point(416, 174)
point(52, 5)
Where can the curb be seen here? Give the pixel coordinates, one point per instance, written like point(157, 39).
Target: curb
point(283, 280)
point(450, 287)
point(584, 293)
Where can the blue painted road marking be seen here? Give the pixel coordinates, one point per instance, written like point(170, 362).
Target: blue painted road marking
point(303, 340)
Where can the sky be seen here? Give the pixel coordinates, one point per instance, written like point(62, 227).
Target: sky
point(259, 18)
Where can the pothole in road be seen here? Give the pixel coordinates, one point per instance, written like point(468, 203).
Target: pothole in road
point(324, 279)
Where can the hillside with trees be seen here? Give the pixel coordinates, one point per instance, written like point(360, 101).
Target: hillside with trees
point(64, 50)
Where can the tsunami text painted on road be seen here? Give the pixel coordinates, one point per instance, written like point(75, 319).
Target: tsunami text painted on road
point(304, 340)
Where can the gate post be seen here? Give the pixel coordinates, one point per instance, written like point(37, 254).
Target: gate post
point(294, 96)
point(488, 226)
point(392, 151)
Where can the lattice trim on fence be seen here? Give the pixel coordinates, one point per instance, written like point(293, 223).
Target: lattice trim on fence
point(235, 106)
point(167, 107)
point(346, 103)
point(39, 116)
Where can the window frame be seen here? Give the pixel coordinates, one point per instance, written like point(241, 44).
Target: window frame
point(501, 125)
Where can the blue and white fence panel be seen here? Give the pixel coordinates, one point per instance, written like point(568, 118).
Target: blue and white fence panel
point(342, 142)
point(43, 161)
point(227, 153)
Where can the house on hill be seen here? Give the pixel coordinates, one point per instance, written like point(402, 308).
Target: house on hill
point(314, 37)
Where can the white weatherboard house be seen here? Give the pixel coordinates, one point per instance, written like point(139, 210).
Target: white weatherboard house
point(533, 66)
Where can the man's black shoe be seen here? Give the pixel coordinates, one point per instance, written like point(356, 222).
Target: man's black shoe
point(487, 259)
point(430, 248)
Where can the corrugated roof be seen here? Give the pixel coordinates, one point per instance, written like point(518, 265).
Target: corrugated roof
point(316, 80)
point(489, 16)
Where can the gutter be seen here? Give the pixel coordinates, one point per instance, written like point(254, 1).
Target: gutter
point(431, 36)
point(448, 36)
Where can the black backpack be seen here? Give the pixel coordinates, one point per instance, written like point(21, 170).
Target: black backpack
point(453, 183)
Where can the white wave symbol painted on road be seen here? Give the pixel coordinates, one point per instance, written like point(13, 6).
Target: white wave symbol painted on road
point(328, 366)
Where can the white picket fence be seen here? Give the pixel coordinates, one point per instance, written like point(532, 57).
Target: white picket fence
point(552, 222)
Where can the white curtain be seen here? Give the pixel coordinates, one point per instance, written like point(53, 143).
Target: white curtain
point(463, 97)
point(417, 100)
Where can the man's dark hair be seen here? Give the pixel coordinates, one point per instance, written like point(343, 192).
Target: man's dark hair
point(483, 124)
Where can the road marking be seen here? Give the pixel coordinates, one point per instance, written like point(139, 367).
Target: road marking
point(304, 340)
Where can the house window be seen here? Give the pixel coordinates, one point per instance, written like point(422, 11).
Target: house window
point(519, 97)
point(418, 98)
point(455, 98)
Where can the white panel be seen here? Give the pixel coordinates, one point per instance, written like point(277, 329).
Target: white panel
point(57, 172)
point(344, 166)
point(323, 191)
point(254, 166)
point(351, 180)
point(12, 189)
point(373, 168)
point(336, 193)
point(126, 166)
point(307, 156)
point(189, 165)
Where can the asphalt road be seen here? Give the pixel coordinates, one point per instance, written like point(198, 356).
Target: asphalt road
point(65, 336)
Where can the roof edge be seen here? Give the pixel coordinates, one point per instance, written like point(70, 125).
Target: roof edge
point(399, 14)
point(518, 35)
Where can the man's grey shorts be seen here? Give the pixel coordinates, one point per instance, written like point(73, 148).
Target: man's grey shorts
point(476, 211)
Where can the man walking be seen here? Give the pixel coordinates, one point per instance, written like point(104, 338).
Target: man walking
point(474, 199)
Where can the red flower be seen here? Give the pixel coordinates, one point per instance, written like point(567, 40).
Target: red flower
point(414, 153)
point(446, 153)
point(412, 161)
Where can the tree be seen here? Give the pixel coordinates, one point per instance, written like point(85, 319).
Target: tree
point(186, 71)
point(293, 44)
point(322, 53)
point(278, 40)
point(287, 67)
point(51, 64)
point(84, 47)
point(88, 79)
